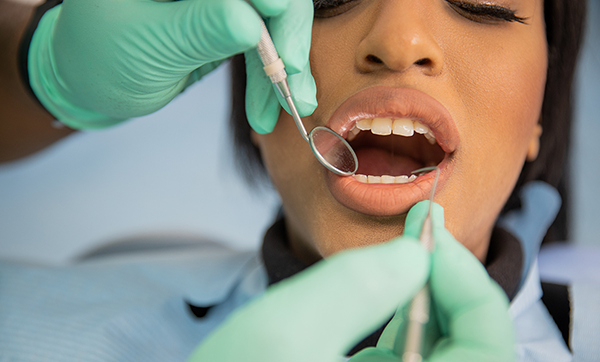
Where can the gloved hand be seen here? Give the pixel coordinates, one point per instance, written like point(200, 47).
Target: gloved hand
point(319, 314)
point(469, 318)
point(95, 63)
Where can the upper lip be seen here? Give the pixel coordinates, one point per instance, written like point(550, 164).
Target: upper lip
point(381, 101)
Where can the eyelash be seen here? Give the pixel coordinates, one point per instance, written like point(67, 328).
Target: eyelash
point(478, 13)
point(323, 4)
point(481, 13)
point(331, 8)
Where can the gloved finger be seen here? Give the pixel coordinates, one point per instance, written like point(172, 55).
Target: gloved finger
point(320, 313)
point(375, 355)
point(395, 333)
point(270, 8)
point(200, 72)
point(475, 308)
point(263, 102)
point(262, 107)
point(390, 346)
point(417, 214)
point(304, 92)
point(205, 31)
point(291, 32)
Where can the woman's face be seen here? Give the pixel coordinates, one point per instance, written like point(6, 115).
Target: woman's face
point(468, 71)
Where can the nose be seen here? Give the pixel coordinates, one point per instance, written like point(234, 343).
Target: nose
point(400, 39)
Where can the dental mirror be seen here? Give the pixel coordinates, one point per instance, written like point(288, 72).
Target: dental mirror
point(331, 149)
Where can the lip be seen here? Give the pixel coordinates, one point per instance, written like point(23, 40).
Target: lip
point(397, 103)
point(380, 102)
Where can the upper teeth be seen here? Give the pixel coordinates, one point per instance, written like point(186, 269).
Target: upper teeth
point(386, 126)
point(384, 179)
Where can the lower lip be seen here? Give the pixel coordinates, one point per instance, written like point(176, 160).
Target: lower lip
point(385, 199)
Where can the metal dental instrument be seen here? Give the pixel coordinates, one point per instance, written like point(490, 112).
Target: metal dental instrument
point(418, 314)
point(330, 148)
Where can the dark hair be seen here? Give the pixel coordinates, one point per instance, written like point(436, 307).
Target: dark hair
point(564, 34)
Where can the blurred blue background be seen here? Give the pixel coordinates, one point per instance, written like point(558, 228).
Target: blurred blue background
point(585, 170)
point(171, 174)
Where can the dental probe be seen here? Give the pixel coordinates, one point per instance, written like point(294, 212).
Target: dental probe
point(330, 148)
point(418, 314)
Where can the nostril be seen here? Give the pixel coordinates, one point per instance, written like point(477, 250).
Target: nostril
point(373, 59)
point(423, 61)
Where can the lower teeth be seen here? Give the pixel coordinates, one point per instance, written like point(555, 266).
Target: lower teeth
point(385, 179)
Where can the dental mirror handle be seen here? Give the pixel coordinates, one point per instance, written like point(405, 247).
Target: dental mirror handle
point(337, 156)
point(275, 70)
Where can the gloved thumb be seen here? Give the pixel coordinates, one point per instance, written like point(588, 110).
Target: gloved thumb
point(416, 216)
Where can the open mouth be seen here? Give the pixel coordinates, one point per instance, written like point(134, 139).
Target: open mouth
point(393, 132)
point(389, 149)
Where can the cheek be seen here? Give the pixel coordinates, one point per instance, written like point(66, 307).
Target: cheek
point(332, 56)
point(283, 152)
point(287, 158)
point(501, 91)
point(502, 109)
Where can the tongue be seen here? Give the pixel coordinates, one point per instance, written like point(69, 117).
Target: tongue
point(377, 162)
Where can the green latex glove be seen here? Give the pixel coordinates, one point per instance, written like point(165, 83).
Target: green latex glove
point(469, 320)
point(319, 314)
point(95, 63)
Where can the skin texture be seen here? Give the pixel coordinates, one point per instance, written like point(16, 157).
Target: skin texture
point(489, 75)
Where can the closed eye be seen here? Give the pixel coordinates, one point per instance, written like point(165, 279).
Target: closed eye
point(482, 13)
point(331, 8)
